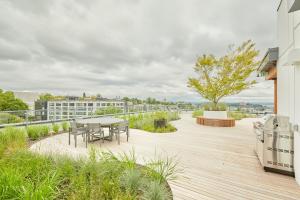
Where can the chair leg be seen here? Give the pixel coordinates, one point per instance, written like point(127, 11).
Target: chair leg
point(86, 140)
point(127, 133)
point(69, 138)
point(110, 133)
point(75, 137)
point(118, 137)
point(102, 137)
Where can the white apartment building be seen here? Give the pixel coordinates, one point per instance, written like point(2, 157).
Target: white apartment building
point(67, 109)
point(284, 69)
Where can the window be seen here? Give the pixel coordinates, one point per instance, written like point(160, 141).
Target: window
point(103, 104)
point(71, 104)
point(58, 104)
point(90, 104)
point(65, 104)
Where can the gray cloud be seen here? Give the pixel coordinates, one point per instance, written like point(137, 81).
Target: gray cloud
point(125, 48)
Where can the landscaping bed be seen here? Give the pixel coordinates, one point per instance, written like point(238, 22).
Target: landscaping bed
point(28, 175)
point(237, 115)
point(148, 121)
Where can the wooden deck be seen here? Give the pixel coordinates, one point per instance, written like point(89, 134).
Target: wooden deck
point(218, 163)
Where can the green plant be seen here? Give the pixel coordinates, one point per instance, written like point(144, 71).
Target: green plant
point(12, 138)
point(146, 121)
point(227, 75)
point(7, 118)
point(132, 181)
point(8, 101)
point(163, 169)
point(108, 110)
point(240, 115)
point(197, 113)
point(65, 126)
point(26, 175)
point(44, 130)
point(55, 128)
point(34, 132)
point(212, 107)
point(156, 191)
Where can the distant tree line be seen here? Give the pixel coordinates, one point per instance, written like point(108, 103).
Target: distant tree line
point(149, 100)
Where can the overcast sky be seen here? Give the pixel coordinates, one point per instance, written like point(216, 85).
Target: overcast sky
point(135, 48)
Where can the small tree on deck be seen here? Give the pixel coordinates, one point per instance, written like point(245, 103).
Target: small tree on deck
point(227, 75)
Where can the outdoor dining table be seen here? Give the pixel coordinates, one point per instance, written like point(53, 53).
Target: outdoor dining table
point(106, 122)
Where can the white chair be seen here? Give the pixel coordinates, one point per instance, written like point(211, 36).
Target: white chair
point(75, 131)
point(119, 128)
point(95, 131)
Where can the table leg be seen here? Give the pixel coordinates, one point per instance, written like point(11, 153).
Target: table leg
point(110, 133)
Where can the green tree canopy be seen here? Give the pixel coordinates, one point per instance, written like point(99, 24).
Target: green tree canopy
point(46, 97)
point(227, 75)
point(8, 102)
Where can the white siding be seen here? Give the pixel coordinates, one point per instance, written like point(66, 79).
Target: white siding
point(288, 73)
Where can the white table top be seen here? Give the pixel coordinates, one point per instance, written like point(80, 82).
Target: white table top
point(106, 121)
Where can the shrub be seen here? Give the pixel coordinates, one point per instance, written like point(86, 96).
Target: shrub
point(44, 130)
point(12, 138)
point(156, 191)
point(197, 113)
point(7, 118)
point(146, 121)
point(108, 110)
point(240, 115)
point(34, 132)
point(26, 175)
point(65, 126)
point(55, 128)
point(173, 116)
point(132, 181)
point(212, 107)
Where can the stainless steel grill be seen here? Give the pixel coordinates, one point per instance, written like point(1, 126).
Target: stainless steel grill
point(275, 143)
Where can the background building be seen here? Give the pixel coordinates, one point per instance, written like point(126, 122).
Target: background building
point(66, 109)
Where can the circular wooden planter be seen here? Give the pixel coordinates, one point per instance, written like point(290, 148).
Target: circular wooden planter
point(216, 122)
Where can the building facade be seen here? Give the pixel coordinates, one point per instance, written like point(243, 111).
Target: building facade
point(68, 109)
point(287, 70)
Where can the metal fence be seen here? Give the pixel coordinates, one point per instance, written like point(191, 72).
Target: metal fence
point(28, 117)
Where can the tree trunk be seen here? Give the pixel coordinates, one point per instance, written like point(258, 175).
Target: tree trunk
point(215, 103)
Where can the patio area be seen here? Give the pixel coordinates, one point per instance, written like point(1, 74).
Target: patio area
point(217, 163)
